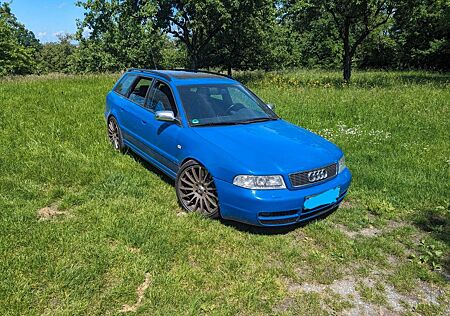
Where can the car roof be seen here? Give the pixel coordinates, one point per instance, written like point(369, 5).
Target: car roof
point(187, 77)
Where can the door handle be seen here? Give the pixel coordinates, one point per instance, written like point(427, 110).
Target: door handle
point(122, 109)
point(143, 122)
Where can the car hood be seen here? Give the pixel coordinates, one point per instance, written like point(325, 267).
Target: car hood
point(272, 147)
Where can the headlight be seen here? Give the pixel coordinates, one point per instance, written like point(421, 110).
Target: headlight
point(341, 164)
point(259, 182)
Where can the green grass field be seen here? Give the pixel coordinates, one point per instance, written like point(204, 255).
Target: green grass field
point(85, 230)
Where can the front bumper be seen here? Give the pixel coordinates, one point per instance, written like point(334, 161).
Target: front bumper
point(276, 207)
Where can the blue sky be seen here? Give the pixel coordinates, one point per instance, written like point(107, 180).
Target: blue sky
point(47, 18)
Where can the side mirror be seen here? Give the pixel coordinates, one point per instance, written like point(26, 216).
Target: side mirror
point(165, 116)
point(271, 106)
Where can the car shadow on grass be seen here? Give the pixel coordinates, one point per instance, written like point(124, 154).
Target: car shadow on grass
point(151, 167)
point(436, 222)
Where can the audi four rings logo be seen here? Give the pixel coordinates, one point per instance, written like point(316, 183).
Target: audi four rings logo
point(317, 175)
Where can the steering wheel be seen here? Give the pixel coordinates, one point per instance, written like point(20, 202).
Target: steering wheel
point(238, 106)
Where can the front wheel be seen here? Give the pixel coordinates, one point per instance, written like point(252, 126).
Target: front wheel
point(196, 190)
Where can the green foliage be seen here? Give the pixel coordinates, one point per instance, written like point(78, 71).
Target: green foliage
point(347, 21)
point(284, 49)
point(241, 35)
point(429, 254)
point(315, 32)
point(422, 31)
point(121, 34)
point(56, 57)
point(194, 23)
point(379, 51)
point(244, 44)
point(91, 57)
point(17, 45)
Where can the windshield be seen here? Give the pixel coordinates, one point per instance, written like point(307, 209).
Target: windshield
point(207, 105)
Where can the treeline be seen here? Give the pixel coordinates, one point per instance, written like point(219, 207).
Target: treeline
point(229, 34)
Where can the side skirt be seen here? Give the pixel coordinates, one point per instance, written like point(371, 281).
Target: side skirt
point(151, 160)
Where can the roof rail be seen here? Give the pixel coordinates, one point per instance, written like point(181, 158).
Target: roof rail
point(153, 72)
point(167, 77)
point(202, 71)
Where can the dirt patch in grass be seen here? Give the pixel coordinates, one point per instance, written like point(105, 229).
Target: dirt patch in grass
point(133, 249)
point(50, 212)
point(140, 291)
point(114, 244)
point(346, 204)
point(365, 232)
point(370, 231)
point(370, 295)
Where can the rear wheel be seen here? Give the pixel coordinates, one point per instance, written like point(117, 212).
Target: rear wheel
point(196, 190)
point(115, 135)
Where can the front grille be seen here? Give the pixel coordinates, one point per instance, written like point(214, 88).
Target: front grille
point(299, 179)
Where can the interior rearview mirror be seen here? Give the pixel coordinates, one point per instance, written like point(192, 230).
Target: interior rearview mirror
point(271, 106)
point(165, 116)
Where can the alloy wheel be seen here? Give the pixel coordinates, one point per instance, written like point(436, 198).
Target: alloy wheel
point(197, 192)
point(114, 134)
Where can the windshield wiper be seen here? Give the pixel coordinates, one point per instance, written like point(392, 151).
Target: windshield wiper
point(217, 124)
point(261, 119)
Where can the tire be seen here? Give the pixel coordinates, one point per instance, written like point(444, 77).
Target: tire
point(196, 190)
point(115, 135)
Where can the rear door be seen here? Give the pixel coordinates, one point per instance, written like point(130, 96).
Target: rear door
point(133, 110)
point(118, 101)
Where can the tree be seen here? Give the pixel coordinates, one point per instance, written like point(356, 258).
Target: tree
point(318, 39)
point(194, 23)
point(244, 40)
point(121, 34)
point(55, 57)
point(354, 21)
point(421, 29)
point(17, 45)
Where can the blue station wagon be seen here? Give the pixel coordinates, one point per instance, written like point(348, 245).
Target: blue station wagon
point(230, 155)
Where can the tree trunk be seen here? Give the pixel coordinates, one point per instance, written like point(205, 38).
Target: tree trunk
point(193, 63)
point(229, 71)
point(347, 58)
point(194, 60)
point(347, 65)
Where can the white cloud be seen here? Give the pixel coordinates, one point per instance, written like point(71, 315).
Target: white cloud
point(41, 34)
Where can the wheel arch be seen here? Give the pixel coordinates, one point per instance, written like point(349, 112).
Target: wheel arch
point(187, 159)
point(113, 113)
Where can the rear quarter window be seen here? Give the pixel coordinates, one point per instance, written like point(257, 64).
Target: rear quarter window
point(124, 84)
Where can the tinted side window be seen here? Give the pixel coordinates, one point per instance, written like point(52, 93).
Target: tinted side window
point(162, 98)
point(124, 85)
point(140, 90)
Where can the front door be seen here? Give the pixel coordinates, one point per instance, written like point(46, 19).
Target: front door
point(160, 139)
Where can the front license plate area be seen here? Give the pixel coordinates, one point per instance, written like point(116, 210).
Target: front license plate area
point(324, 198)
